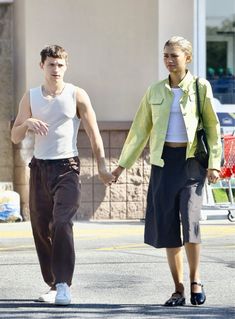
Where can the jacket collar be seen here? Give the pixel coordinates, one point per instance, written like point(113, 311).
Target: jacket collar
point(184, 84)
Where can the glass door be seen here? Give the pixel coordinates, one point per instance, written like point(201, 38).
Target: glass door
point(220, 49)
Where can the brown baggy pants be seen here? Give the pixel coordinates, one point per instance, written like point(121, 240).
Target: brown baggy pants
point(55, 190)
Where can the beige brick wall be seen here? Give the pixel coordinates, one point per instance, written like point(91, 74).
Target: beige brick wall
point(124, 200)
point(22, 155)
point(6, 89)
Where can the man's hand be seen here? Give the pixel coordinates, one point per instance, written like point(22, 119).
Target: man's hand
point(212, 175)
point(117, 172)
point(25, 122)
point(106, 177)
point(37, 126)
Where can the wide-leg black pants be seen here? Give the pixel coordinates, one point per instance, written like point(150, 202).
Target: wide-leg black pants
point(174, 200)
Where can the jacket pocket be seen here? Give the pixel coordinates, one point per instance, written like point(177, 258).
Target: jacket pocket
point(156, 105)
point(192, 100)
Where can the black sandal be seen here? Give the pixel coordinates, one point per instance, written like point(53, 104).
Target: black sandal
point(177, 299)
point(197, 298)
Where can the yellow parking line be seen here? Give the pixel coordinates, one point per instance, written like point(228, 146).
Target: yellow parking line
point(208, 231)
point(124, 247)
point(216, 231)
point(16, 234)
point(81, 233)
point(16, 247)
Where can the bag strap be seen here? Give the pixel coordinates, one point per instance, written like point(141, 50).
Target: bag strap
point(198, 101)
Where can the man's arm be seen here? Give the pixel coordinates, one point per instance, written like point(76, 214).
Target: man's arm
point(25, 122)
point(88, 117)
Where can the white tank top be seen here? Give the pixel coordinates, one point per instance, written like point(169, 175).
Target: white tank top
point(176, 131)
point(60, 113)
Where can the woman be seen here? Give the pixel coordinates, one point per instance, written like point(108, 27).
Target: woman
point(168, 117)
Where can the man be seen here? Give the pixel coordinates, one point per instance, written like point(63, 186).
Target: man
point(53, 112)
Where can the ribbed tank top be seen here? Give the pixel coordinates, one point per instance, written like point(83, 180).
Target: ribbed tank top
point(176, 131)
point(60, 113)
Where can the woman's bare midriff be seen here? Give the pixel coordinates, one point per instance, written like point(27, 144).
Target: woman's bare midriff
point(174, 144)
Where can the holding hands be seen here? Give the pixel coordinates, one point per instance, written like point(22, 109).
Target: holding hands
point(106, 177)
point(109, 178)
point(117, 172)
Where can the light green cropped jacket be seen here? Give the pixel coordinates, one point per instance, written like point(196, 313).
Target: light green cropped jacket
point(151, 122)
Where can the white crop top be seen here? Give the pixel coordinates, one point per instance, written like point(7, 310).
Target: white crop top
point(176, 131)
point(60, 113)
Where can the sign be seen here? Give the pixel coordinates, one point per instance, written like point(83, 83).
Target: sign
point(226, 115)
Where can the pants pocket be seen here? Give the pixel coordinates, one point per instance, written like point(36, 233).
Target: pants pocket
point(32, 163)
point(75, 165)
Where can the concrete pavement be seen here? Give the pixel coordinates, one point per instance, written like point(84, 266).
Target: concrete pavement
point(116, 275)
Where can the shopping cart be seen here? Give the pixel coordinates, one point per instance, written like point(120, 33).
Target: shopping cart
point(226, 175)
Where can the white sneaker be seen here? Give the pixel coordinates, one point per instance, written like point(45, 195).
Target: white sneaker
point(48, 296)
point(63, 296)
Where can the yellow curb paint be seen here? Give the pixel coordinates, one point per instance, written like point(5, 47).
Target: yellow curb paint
point(124, 247)
point(207, 231)
point(16, 234)
point(16, 247)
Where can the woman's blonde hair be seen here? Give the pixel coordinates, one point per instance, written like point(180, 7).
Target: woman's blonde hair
point(182, 43)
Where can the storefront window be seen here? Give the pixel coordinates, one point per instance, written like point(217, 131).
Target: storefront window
point(220, 49)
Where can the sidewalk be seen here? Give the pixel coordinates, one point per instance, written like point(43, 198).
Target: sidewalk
point(116, 275)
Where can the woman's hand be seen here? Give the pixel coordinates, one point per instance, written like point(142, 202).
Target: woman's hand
point(117, 172)
point(212, 175)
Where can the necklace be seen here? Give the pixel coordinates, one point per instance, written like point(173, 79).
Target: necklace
point(52, 94)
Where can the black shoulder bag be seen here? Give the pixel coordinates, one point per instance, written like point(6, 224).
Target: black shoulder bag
point(202, 150)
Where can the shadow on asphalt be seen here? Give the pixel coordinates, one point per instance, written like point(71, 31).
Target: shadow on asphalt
point(26, 308)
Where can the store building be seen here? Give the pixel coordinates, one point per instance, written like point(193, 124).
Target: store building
point(115, 53)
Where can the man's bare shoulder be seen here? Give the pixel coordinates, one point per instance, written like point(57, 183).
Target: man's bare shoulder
point(82, 95)
point(25, 100)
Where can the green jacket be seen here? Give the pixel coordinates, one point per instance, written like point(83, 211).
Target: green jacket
point(151, 122)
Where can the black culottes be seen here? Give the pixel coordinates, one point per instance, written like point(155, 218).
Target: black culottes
point(174, 200)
